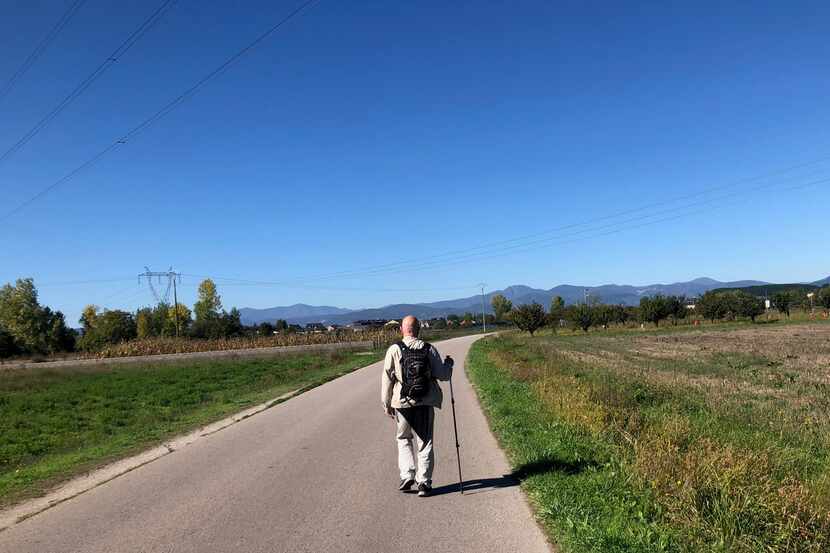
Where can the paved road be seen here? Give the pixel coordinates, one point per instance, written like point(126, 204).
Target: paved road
point(314, 474)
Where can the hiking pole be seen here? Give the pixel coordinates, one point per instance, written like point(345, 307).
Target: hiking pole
point(457, 447)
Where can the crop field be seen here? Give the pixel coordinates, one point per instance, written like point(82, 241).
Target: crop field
point(158, 346)
point(711, 439)
point(163, 346)
point(60, 422)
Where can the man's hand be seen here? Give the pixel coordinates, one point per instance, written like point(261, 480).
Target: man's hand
point(390, 412)
point(448, 361)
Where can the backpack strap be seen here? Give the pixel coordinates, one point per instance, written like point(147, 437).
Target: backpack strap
point(401, 345)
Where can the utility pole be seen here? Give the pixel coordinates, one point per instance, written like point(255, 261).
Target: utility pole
point(483, 313)
point(176, 307)
point(586, 296)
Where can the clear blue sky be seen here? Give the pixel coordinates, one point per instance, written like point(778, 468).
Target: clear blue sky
point(365, 133)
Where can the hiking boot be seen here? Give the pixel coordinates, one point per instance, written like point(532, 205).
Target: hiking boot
point(424, 489)
point(406, 484)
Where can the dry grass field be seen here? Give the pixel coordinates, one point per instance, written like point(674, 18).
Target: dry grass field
point(721, 436)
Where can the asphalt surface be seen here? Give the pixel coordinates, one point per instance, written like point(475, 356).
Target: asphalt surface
point(317, 473)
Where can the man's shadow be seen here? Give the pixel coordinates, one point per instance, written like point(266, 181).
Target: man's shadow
point(515, 478)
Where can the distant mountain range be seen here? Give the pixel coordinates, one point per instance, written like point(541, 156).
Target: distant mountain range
point(518, 294)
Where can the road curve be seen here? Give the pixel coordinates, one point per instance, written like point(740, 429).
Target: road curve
point(315, 474)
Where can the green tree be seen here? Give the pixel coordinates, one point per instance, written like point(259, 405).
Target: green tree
point(265, 329)
point(676, 308)
point(281, 325)
point(581, 316)
point(823, 297)
point(439, 324)
point(209, 303)
point(8, 346)
point(111, 327)
point(144, 323)
point(60, 337)
point(529, 318)
point(501, 306)
point(185, 318)
point(23, 318)
point(28, 327)
point(619, 314)
point(711, 306)
point(747, 305)
point(782, 301)
point(653, 309)
point(88, 316)
point(602, 315)
point(153, 321)
point(557, 310)
point(232, 322)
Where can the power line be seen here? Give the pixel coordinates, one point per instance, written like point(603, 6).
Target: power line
point(614, 215)
point(666, 215)
point(125, 46)
point(167, 108)
point(657, 217)
point(41, 47)
point(90, 281)
point(499, 249)
point(612, 231)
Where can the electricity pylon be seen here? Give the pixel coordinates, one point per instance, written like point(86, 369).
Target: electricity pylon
point(171, 278)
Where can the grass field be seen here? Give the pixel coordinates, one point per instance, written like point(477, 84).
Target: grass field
point(714, 439)
point(58, 423)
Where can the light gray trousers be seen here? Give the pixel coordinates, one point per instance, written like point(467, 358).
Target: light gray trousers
point(415, 432)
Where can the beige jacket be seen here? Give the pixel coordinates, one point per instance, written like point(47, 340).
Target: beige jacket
point(390, 387)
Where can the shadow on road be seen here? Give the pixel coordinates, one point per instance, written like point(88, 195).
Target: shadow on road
point(522, 472)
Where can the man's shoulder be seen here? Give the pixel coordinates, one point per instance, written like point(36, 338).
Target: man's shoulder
point(396, 347)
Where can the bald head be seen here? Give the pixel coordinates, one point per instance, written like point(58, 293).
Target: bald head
point(410, 326)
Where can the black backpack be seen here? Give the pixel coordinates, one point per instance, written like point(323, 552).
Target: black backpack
point(416, 372)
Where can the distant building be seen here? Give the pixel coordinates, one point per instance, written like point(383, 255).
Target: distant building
point(367, 324)
point(315, 327)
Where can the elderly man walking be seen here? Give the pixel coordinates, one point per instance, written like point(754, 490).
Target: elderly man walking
point(410, 393)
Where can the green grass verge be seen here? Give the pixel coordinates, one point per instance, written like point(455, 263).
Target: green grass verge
point(581, 494)
point(668, 440)
point(59, 423)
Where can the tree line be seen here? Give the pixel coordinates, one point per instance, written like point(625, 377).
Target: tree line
point(713, 305)
point(28, 328)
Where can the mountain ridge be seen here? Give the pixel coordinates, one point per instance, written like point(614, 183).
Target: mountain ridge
point(518, 294)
